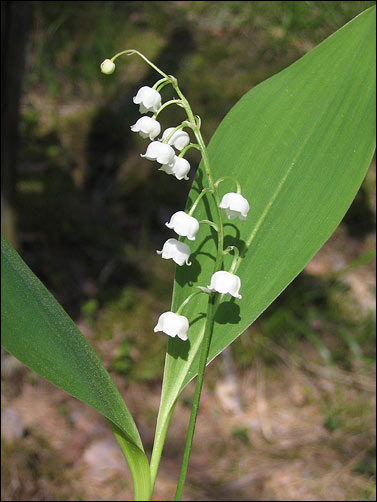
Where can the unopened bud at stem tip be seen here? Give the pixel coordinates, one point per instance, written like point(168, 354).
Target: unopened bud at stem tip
point(107, 67)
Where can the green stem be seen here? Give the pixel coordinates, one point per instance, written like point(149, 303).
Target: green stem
point(191, 145)
point(168, 103)
point(235, 260)
point(207, 169)
point(161, 86)
point(162, 82)
point(129, 52)
point(236, 253)
point(213, 298)
point(206, 342)
point(202, 193)
point(220, 180)
point(210, 223)
point(185, 302)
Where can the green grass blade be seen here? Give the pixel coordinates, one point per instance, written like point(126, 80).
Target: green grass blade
point(300, 143)
point(38, 332)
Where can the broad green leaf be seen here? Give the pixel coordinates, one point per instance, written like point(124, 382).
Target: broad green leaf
point(300, 144)
point(38, 332)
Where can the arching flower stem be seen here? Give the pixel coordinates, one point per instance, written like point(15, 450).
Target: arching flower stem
point(210, 223)
point(220, 180)
point(236, 253)
point(165, 105)
point(202, 193)
point(191, 145)
point(130, 52)
point(185, 302)
point(161, 83)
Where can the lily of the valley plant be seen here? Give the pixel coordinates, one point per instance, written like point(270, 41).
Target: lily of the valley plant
point(277, 178)
point(169, 151)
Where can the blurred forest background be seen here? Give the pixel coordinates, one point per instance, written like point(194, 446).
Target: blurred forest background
point(288, 411)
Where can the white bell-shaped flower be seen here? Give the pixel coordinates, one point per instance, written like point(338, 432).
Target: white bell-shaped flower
point(180, 139)
point(173, 325)
point(179, 252)
point(184, 225)
point(235, 205)
point(225, 282)
point(149, 99)
point(179, 168)
point(164, 154)
point(147, 127)
point(107, 66)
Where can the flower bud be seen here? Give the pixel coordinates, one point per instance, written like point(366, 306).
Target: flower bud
point(173, 325)
point(235, 205)
point(184, 225)
point(107, 67)
point(148, 98)
point(179, 252)
point(147, 127)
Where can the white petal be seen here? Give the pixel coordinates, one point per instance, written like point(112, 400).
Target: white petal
point(141, 94)
point(180, 139)
point(143, 109)
point(173, 325)
point(231, 214)
point(225, 201)
point(152, 150)
point(225, 282)
point(179, 252)
point(148, 98)
point(158, 327)
point(152, 99)
point(166, 133)
point(168, 169)
point(164, 154)
point(147, 127)
point(235, 205)
point(181, 168)
point(184, 225)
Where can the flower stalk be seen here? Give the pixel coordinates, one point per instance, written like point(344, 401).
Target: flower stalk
point(200, 196)
point(205, 345)
point(220, 180)
point(165, 105)
point(185, 225)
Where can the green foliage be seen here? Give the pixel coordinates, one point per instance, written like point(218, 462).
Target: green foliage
point(37, 331)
